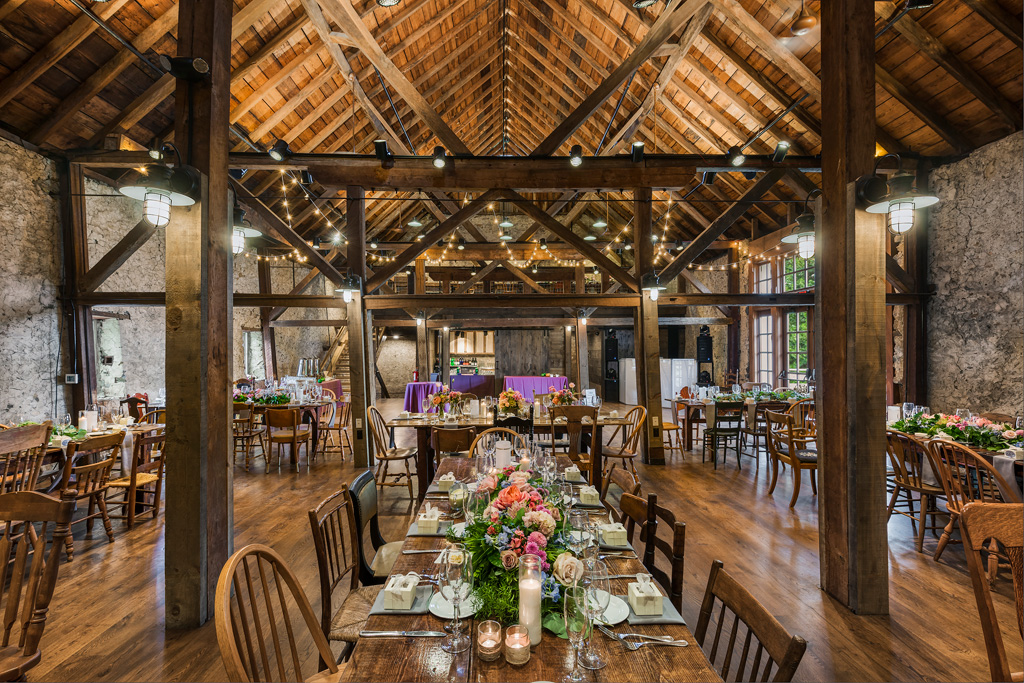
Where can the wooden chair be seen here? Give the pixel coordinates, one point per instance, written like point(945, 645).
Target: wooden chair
point(1000, 522)
point(724, 426)
point(635, 512)
point(137, 407)
point(385, 456)
point(284, 427)
point(363, 493)
point(245, 431)
point(787, 445)
point(85, 480)
point(672, 434)
point(451, 442)
point(22, 450)
point(520, 425)
point(630, 441)
point(756, 425)
point(257, 596)
point(334, 425)
point(576, 425)
point(749, 386)
point(775, 647)
point(1001, 418)
point(803, 415)
point(27, 584)
point(333, 524)
point(908, 458)
point(626, 482)
point(512, 435)
point(158, 416)
point(141, 488)
point(673, 551)
point(967, 478)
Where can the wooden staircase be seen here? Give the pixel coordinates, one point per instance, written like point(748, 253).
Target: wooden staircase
point(334, 362)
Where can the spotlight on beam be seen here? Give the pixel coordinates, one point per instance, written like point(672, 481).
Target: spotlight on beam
point(708, 178)
point(781, 150)
point(736, 157)
point(280, 151)
point(185, 68)
point(440, 158)
point(384, 155)
point(576, 155)
point(636, 152)
point(305, 177)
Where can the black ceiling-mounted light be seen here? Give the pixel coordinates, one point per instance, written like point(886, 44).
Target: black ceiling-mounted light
point(388, 3)
point(384, 155)
point(781, 150)
point(802, 232)
point(804, 22)
point(373, 244)
point(708, 178)
point(305, 177)
point(652, 285)
point(897, 197)
point(440, 159)
point(279, 151)
point(160, 187)
point(636, 152)
point(627, 244)
point(185, 68)
point(462, 243)
point(576, 155)
point(237, 173)
point(736, 156)
point(543, 243)
point(641, 4)
point(240, 230)
point(350, 285)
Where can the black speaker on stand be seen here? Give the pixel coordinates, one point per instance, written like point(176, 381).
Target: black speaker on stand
point(705, 356)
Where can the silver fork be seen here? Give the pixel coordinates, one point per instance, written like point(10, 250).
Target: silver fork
point(622, 637)
point(630, 645)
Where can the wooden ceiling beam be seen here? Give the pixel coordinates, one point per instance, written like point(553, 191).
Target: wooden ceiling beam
point(291, 102)
point(1004, 22)
point(72, 104)
point(526, 279)
point(926, 113)
point(269, 85)
point(55, 50)
point(8, 7)
point(671, 20)
point(350, 21)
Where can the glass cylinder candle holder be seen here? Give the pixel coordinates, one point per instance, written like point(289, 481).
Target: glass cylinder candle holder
point(530, 596)
point(488, 641)
point(517, 645)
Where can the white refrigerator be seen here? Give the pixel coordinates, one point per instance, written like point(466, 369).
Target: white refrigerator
point(627, 381)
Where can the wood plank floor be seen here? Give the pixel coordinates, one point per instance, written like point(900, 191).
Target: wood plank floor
point(106, 619)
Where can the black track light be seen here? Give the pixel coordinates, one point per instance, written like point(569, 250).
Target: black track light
point(305, 177)
point(708, 178)
point(384, 155)
point(636, 152)
point(781, 150)
point(749, 175)
point(280, 151)
point(373, 244)
point(462, 243)
point(576, 155)
point(440, 158)
point(387, 3)
point(641, 4)
point(185, 68)
point(238, 173)
point(736, 157)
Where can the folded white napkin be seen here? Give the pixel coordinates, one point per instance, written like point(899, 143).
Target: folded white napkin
point(644, 597)
point(445, 481)
point(400, 591)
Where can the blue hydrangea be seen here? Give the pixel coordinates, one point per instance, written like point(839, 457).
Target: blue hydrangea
point(503, 539)
point(550, 588)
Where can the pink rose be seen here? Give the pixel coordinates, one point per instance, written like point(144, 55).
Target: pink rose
point(507, 496)
point(572, 385)
point(509, 560)
point(567, 569)
point(1009, 434)
point(1020, 432)
point(487, 484)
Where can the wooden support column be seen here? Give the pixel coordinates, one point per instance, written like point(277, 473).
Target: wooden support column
point(732, 354)
point(648, 346)
point(422, 357)
point(568, 355)
point(78, 318)
point(850, 317)
point(266, 314)
point(582, 357)
point(581, 281)
point(199, 345)
point(359, 327)
point(915, 340)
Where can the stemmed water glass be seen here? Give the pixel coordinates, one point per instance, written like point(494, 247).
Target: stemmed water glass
point(737, 389)
point(579, 522)
point(457, 495)
point(909, 410)
point(595, 583)
point(476, 504)
point(964, 413)
point(574, 611)
point(455, 582)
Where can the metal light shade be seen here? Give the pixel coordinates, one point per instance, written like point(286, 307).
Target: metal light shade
point(414, 223)
point(237, 241)
point(506, 223)
point(349, 286)
point(652, 285)
point(387, 3)
point(505, 237)
point(159, 188)
point(736, 157)
point(900, 201)
point(600, 223)
point(440, 159)
point(802, 234)
point(590, 237)
point(641, 4)
point(280, 151)
point(804, 22)
point(239, 223)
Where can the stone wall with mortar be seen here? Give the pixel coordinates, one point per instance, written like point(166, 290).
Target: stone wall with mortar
point(29, 279)
point(976, 262)
point(717, 281)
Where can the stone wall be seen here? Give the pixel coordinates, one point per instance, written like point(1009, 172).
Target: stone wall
point(976, 262)
point(30, 338)
point(717, 281)
point(396, 361)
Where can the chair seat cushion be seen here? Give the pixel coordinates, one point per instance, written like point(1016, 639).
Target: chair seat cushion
point(811, 447)
point(287, 434)
point(398, 454)
point(669, 426)
point(141, 479)
point(385, 558)
point(348, 621)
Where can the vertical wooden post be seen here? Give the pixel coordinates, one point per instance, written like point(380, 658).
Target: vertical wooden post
point(581, 282)
point(198, 309)
point(269, 339)
point(446, 347)
point(915, 352)
point(421, 275)
point(358, 325)
point(733, 331)
point(850, 311)
point(568, 353)
point(422, 345)
point(75, 255)
point(648, 345)
point(582, 358)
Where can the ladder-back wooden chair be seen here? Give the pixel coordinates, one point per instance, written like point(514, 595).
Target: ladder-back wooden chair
point(27, 583)
point(630, 448)
point(671, 546)
point(756, 425)
point(454, 442)
point(626, 482)
point(260, 609)
point(87, 476)
point(386, 456)
point(910, 460)
point(137, 407)
point(22, 450)
point(723, 425)
point(580, 422)
point(246, 432)
point(635, 512)
point(140, 489)
point(775, 655)
point(789, 446)
point(1001, 522)
point(285, 428)
point(333, 524)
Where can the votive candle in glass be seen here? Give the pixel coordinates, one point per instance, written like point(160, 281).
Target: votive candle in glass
point(488, 640)
point(517, 645)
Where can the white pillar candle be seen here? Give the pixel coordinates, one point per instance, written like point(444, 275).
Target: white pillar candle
point(529, 608)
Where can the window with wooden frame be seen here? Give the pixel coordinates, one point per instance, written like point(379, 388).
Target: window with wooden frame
point(796, 274)
point(781, 339)
point(798, 345)
point(764, 347)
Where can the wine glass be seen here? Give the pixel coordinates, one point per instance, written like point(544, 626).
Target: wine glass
point(597, 592)
point(455, 582)
point(579, 523)
point(66, 421)
point(924, 410)
point(574, 611)
point(737, 389)
point(960, 412)
point(476, 504)
point(591, 545)
point(909, 410)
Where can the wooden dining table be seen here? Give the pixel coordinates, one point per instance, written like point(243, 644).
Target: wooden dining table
point(425, 455)
point(419, 659)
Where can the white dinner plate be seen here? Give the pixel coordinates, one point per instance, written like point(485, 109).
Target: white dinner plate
point(618, 610)
point(440, 607)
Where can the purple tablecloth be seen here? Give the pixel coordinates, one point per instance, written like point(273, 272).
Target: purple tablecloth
point(481, 385)
point(529, 386)
point(415, 392)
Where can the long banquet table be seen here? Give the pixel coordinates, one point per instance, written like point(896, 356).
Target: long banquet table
point(529, 385)
point(422, 659)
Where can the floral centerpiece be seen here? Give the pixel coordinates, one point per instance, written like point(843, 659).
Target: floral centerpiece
point(564, 397)
point(272, 399)
point(978, 432)
point(775, 395)
point(511, 401)
point(521, 519)
point(445, 396)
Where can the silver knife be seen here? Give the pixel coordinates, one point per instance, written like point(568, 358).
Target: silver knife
point(422, 552)
point(622, 576)
point(401, 634)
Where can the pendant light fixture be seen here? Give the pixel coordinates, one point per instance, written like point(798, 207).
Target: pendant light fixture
point(160, 187)
point(440, 158)
point(603, 222)
point(576, 155)
point(898, 198)
point(804, 21)
point(349, 287)
point(240, 229)
point(802, 232)
point(652, 285)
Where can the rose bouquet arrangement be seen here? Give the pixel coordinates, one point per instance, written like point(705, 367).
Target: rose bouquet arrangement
point(511, 401)
point(522, 518)
point(978, 432)
point(445, 395)
point(564, 397)
point(272, 399)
